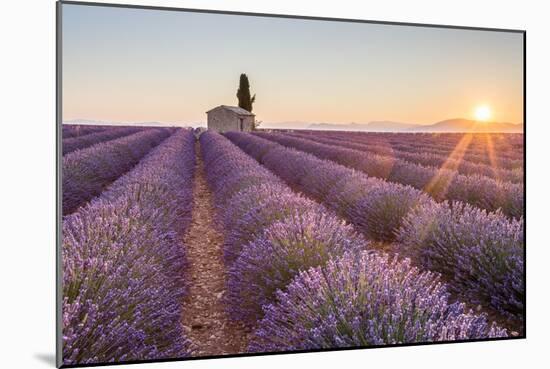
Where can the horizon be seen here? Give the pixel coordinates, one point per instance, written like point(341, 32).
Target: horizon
point(92, 121)
point(342, 126)
point(138, 65)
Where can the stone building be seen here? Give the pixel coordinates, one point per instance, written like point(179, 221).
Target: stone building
point(230, 118)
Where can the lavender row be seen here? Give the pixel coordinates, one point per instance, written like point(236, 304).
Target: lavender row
point(489, 151)
point(381, 210)
point(488, 155)
point(124, 263)
point(78, 143)
point(507, 146)
point(87, 172)
point(76, 130)
point(362, 301)
point(425, 158)
point(480, 191)
point(480, 251)
point(279, 234)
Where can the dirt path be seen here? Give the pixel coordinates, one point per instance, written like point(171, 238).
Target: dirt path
point(205, 320)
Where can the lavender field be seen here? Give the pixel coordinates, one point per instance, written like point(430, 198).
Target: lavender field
point(178, 242)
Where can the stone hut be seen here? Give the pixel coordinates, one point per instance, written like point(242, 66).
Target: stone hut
point(230, 118)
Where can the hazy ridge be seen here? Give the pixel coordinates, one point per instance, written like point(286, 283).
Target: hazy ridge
point(449, 125)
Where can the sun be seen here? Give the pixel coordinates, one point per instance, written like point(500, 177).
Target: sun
point(482, 113)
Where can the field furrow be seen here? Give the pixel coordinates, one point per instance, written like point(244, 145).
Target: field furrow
point(205, 318)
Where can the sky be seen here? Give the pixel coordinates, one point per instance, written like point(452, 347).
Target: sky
point(135, 65)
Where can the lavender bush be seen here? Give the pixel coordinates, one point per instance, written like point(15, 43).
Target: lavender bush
point(348, 191)
point(257, 152)
point(323, 180)
point(361, 301)
point(124, 263)
point(488, 194)
point(87, 172)
point(242, 202)
point(383, 207)
point(269, 262)
point(265, 212)
point(483, 253)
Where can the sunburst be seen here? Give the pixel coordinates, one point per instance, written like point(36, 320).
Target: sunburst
point(483, 113)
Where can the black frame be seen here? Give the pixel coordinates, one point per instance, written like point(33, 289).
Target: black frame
point(59, 110)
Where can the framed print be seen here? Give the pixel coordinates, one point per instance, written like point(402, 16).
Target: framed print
point(234, 184)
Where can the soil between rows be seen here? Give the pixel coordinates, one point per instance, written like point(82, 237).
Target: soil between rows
point(205, 321)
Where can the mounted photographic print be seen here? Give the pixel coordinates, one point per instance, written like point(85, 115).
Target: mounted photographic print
point(234, 184)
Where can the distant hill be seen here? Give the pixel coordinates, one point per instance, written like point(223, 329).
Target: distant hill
point(375, 126)
point(285, 125)
point(466, 125)
point(339, 126)
point(389, 126)
point(449, 125)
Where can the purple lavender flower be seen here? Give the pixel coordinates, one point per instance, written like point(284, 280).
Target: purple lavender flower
point(441, 184)
point(124, 262)
point(378, 209)
point(382, 208)
point(482, 252)
point(269, 262)
point(261, 215)
point(361, 301)
point(87, 172)
point(78, 143)
point(77, 130)
point(424, 158)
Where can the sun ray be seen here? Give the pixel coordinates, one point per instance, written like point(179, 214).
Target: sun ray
point(440, 183)
point(493, 160)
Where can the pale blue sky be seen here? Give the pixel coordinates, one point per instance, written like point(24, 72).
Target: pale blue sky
point(123, 64)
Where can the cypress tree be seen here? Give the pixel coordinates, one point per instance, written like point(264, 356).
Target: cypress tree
point(243, 94)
